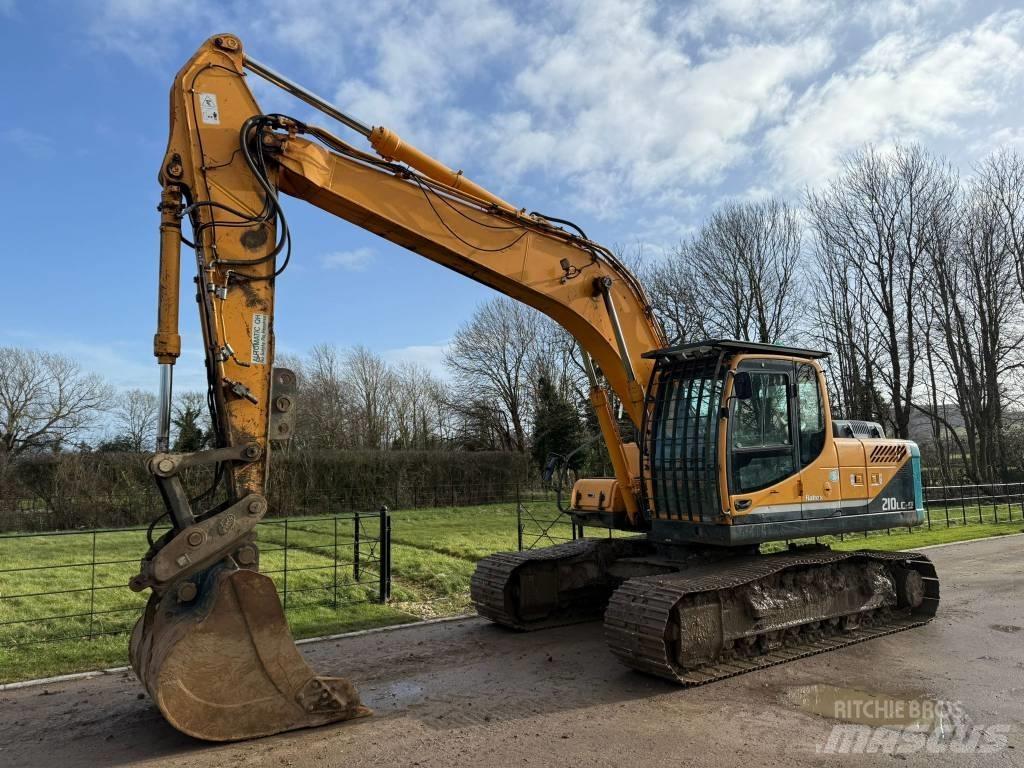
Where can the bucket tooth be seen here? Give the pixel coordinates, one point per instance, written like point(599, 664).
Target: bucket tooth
point(223, 666)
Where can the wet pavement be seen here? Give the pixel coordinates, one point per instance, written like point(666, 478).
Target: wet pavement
point(469, 693)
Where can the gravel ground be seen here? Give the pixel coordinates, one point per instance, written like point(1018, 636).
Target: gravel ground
point(469, 693)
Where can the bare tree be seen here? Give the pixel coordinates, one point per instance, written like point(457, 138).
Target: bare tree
point(671, 287)
point(977, 316)
point(418, 408)
point(46, 402)
point(325, 405)
point(1002, 176)
point(490, 361)
point(556, 357)
point(878, 220)
point(135, 415)
point(738, 277)
point(372, 385)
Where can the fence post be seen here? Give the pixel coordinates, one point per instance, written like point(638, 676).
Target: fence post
point(92, 586)
point(335, 560)
point(356, 574)
point(945, 505)
point(284, 602)
point(977, 495)
point(519, 518)
point(384, 543)
point(963, 504)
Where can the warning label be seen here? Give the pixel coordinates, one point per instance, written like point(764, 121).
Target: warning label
point(259, 339)
point(209, 109)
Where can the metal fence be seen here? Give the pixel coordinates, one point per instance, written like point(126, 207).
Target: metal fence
point(70, 585)
point(540, 526)
point(945, 506)
point(952, 505)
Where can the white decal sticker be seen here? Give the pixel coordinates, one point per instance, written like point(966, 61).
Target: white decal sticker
point(259, 339)
point(892, 504)
point(208, 106)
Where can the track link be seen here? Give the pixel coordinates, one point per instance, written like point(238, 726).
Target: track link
point(640, 614)
point(494, 588)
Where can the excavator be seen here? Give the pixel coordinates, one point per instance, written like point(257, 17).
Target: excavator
point(733, 445)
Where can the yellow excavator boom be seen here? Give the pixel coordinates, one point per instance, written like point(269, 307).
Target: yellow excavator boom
point(225, 164)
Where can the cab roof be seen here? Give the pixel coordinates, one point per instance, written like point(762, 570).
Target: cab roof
point(713, 347)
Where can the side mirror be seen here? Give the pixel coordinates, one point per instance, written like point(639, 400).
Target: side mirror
point(742, 389)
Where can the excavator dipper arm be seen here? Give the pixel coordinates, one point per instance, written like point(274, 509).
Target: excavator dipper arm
point(213, 648)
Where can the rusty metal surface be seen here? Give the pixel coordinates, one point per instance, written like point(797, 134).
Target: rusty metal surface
point(642, 624)
point(223, 667)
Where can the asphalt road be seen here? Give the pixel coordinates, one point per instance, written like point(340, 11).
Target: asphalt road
point(469, 693)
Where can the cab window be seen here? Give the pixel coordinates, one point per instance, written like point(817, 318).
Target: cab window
point(812, 414)
point(762, 443)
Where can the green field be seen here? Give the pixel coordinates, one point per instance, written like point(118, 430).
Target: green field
point(433, 556)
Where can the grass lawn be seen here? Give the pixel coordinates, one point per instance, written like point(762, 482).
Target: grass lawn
point(91, 611)
point(434, 552)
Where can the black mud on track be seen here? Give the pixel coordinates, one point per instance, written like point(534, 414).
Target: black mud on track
point(469, 693)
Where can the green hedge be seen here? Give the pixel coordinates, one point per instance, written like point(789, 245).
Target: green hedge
point(98, 490)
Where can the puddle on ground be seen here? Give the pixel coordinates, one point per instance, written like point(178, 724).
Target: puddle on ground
point(397, 695)
point(863, 707)
point(404, 692)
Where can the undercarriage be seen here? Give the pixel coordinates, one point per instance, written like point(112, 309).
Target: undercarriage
point(696, 615)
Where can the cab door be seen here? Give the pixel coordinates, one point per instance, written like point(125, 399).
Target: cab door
point(764, 473)
point(817, 455)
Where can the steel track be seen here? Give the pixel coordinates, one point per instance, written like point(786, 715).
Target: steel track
point(641, 612)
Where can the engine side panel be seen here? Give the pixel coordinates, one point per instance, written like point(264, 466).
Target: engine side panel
point(890, 496)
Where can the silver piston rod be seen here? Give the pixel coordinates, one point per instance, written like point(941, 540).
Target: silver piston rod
point(163, 424)
point(604, 285)
point(296, 90)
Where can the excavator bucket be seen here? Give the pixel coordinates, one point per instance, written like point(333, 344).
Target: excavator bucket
point(223, 667)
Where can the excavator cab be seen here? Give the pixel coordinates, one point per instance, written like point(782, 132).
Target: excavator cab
point(741, 450)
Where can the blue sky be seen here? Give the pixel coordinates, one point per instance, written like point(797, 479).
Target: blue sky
point(632, 118)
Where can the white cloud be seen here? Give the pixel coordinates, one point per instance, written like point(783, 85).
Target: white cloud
point(884, 15)
point(420, 60)
point(617, 106)
point(28, 142)
point(788, 17)
point(908, 85)
point(1012, 138)
point(430, 356)
point(352, 261)
point(632, 110)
